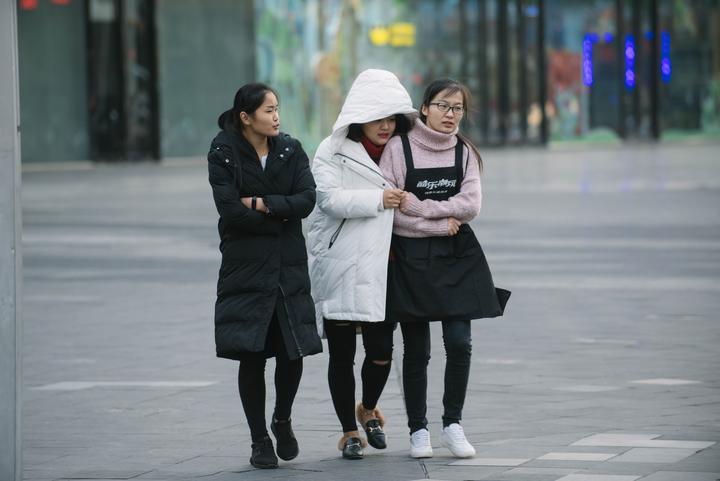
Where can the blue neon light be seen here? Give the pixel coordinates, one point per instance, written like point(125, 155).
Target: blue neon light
point(532, 11)
point(587, 63)
point(665, 62)
point(608, 37)
point(630, 62)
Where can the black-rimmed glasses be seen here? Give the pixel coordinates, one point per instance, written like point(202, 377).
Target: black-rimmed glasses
point(443, 107)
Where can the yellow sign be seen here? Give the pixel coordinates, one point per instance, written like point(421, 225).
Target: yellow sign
point(401, 34)
point(379, 36)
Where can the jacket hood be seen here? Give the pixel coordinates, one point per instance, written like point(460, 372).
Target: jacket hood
point(375, 94)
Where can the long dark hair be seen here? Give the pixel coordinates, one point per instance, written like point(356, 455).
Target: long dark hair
point(451, 86)
point(402, 126)
point(248, 99)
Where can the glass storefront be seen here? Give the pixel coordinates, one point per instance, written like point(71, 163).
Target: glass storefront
point(52, 74)
point(146, 78)
point(311, 51)
point(622, 69)
point(690, 68)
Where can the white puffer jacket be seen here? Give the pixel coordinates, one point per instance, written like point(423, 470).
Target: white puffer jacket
point(349, 235)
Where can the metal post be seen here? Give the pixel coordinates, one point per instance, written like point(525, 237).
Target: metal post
point(464, 43)
point(522, 68)
point(483, 71)
point(10, 257)
point(541, 72)
point(654, 71)
point(639, 55)
point(503, 70)
point(620, 65)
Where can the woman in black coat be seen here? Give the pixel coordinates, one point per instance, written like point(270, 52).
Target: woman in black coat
point(263, 188)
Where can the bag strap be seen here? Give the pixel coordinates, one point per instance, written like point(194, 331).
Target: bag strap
point(409, 165)
point(459, 173)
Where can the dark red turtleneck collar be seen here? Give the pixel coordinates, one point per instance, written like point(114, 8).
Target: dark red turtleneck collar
point(374, 151)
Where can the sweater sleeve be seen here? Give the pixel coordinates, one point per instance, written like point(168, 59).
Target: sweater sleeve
point(392, 164)
point(335, 200)
point(464, 206)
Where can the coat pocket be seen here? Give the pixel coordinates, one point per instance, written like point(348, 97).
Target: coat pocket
point(336, 234)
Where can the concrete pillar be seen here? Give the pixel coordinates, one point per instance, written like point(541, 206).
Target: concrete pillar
point(10, 256)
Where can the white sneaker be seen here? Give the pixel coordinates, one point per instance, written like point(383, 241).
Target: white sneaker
point(453, 438)
point(420, 446)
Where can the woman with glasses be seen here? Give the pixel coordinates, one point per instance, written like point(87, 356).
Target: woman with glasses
point(349, 241)
point(437, 270)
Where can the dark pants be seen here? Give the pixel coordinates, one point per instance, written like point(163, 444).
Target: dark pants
point(378, 343)
point(251, 382)
point(458, 350)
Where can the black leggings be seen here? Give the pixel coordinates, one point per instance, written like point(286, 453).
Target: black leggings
point(378, 344)
point(458, 351)
point(251, 384)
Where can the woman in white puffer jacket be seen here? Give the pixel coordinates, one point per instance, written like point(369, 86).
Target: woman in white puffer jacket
point(349, 241)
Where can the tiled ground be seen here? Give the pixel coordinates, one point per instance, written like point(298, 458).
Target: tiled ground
point(605, 367)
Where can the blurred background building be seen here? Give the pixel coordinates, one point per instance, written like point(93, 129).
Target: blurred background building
point(146, 79)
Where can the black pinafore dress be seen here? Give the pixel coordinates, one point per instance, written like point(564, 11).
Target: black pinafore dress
point(439, 278)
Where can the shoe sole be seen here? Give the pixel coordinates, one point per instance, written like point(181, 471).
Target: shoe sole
point(284, 458)
point(422, 455)
point(353, 458)
point(466, 456)
point(376, 445)
point(264, 466)
point(288, 458)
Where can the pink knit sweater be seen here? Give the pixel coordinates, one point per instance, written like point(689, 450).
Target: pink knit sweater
point(431, 149)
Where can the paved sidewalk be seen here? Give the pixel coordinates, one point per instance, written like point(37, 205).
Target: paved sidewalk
point(606, 366)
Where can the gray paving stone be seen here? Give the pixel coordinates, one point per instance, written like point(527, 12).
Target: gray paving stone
point(640, 440)
point(105, 474)
point(653, 455)
point(597, 477)
point(682, 475)
point(454, 473)
point(666, 382)
point(535, 472)
point(587, 388)
point(490, 462)
point(564, 456)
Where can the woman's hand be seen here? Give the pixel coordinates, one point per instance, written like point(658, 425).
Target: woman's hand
point(259, 204)
point(453, 226)
point(392, 198)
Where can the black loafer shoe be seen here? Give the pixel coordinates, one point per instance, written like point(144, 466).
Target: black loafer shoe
point(287, 445)
point(352, 449)
point(263, 454)
point(375, 434)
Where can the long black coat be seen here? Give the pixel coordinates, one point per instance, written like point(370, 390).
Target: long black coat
point(264, 260)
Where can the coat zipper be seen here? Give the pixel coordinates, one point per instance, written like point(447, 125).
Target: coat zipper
point(368, 168)
point(289, 322)
point(335, 235)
